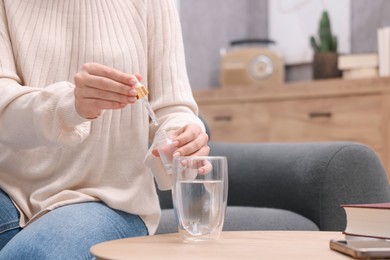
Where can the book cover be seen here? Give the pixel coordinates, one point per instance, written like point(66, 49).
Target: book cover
point(383, 36)
point(354, 61)
point(368, 220)
point(360, 73)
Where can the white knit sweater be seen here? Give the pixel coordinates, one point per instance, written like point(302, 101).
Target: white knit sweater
point(49, 155)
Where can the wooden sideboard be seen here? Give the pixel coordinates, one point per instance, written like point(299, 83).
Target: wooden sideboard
point(325, 110)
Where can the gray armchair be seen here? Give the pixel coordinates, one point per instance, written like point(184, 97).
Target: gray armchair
point(296, 186)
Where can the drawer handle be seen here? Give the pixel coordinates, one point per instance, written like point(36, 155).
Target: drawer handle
point(320, 114)
point(223, 118)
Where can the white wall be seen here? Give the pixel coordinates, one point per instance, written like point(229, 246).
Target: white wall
point(292, 22)
point(178, 4)
point(210, 25)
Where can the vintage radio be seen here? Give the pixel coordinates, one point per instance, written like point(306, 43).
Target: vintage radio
point(251, 65)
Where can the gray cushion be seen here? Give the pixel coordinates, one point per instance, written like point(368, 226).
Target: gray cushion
point(252, 218)
point(248, 218)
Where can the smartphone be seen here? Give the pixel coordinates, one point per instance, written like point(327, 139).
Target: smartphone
point(362, 248)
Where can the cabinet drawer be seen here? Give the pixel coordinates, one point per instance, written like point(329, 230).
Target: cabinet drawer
point(353, 118)
point(238, 122)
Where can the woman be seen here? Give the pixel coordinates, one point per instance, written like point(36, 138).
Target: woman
point(73, 136)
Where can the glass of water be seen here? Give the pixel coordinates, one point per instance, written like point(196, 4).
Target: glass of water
point(200, 196)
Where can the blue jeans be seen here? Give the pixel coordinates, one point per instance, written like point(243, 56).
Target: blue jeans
point(67, 232)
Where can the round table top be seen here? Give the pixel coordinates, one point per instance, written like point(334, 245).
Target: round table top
point(231, 245)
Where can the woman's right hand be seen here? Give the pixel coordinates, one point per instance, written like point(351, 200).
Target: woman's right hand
point(99, 87)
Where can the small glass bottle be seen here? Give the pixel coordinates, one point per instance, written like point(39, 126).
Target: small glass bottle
point(165, 149)
point(142, 93)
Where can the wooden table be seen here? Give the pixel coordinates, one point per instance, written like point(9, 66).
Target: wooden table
point(232, 245)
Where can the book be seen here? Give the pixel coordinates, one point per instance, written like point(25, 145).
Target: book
point(368, 220)
point(383, 35)
point(361, 73)
point(355, 61)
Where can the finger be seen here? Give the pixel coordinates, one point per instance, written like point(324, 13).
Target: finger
point(92, 108)
point(155, 152)
point(93, 93)
point(205, 168)
point(107, 72)
point(202, 167)
point(99, 104)
point(139, 77)
point(192, 147)
point(204, 151)
point(102, 83)
point(187, 134)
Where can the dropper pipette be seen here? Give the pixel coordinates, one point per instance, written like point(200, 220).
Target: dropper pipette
point(142, 93)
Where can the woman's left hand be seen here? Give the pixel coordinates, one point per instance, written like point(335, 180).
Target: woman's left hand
point(189, 140)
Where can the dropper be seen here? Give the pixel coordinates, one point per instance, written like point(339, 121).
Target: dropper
point(142, 93)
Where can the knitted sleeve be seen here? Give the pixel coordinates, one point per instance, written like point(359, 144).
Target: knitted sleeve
point(33, 116)
point(170, 91)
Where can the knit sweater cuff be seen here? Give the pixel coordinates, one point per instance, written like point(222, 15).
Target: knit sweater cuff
point(67, 111)
point(72, 127)
point(156, 168)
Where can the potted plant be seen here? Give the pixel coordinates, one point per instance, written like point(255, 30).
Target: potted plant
point(325, 51)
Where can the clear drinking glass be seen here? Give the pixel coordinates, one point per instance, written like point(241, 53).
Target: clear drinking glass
point(200, 196)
